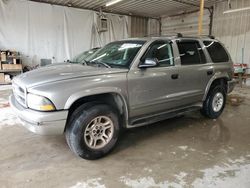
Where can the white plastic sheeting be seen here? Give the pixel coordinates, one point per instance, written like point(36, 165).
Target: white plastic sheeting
point(41, 30)
point(117, 29)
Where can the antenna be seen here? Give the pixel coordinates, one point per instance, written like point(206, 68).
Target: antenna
point(179, 35)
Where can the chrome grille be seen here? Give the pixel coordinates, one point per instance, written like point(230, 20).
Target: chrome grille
point(20, 94)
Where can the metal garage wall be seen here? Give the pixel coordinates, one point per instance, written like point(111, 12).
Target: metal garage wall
point(41, 30)
point(141, 27)
point(234, 29)
point(138, 26)
point(153, 27)
point(186, 24)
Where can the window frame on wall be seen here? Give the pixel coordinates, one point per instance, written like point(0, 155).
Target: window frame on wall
point(201, 53)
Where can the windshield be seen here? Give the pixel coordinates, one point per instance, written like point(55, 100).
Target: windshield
point(116, 54)
point(82, 56)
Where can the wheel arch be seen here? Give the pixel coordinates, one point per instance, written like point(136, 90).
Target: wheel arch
point(220, 79)
point(112, 98)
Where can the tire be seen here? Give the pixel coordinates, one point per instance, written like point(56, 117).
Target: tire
point(215, 102)
point(92, 131)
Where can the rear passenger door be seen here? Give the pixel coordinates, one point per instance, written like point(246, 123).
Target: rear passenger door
point(194, 71)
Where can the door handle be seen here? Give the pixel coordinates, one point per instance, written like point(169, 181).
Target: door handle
point(175, 76)
point(210, 72)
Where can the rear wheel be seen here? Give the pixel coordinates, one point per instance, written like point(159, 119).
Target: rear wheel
point(92, 131)
point(214, 104)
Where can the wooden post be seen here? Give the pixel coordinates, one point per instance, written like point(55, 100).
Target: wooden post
point(201, 17)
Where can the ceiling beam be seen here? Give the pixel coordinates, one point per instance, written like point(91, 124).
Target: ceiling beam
point(188, 3)
point(182, 14)
point(97, 10)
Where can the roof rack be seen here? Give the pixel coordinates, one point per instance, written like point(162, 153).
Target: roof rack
point(209, 36)
point(179, 35)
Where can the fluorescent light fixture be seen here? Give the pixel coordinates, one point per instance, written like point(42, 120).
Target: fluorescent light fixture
point(236, 10)
point(112, 2)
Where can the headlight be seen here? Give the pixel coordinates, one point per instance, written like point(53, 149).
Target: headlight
point(40, 103)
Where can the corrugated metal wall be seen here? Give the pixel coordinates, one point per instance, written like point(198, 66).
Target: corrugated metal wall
point(138, 26)
point(141, 27)
point(186, 24)
point(234, 29)
point(153, 27)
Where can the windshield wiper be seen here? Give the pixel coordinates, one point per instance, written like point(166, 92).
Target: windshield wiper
point(75, 62)
point(85, 62)
point(100, 63)
point(69, 61)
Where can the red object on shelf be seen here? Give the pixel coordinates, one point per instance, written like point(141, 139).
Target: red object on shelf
point(240, 65)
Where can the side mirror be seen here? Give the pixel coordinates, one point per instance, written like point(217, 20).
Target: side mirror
point(149, 62)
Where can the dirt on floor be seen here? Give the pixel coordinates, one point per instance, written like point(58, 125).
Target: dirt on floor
point(190, 151)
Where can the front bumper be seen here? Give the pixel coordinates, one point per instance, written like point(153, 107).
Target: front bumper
point(230, 85)
point(43, 123)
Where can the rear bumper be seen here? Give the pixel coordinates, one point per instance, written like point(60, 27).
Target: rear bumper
point(230, 85)
point(43, 123)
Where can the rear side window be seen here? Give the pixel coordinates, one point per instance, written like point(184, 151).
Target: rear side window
point(216, 51)
point(191, 53)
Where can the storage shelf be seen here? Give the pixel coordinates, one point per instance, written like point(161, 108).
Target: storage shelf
point(5, 83)
point(10, 70)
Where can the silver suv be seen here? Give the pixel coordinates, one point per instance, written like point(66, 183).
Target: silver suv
point(125, 84)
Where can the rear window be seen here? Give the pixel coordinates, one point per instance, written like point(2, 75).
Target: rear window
point(216, 51)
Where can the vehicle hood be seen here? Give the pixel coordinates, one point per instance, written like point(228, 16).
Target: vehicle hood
point(62, 71)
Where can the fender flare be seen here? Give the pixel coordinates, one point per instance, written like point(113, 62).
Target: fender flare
point(98, 91)
point(216, 76)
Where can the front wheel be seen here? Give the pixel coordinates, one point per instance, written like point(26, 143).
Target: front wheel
point(215, 102)
point(92, 131)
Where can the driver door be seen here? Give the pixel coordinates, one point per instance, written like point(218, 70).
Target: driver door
point(153, 89)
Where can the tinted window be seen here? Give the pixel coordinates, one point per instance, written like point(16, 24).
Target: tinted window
point(191, 53)
point(162, 51)
point(216, 51)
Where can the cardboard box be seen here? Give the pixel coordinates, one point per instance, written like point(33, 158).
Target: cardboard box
point(7, 78)
point(2, 78)
point(3, 56)
point(12, 66)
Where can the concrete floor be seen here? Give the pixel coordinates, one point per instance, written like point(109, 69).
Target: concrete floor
point(183, 152)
